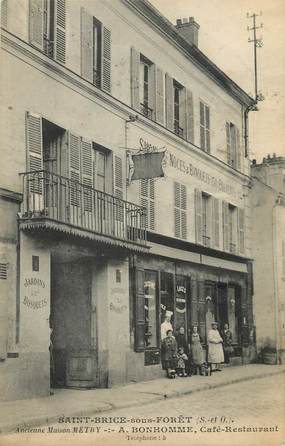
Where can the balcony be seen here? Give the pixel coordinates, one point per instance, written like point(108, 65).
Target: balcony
point(59, 203)
point(146, 111)
point(206, 241)
point(178, 130)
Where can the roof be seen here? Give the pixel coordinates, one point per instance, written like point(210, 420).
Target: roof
point(145, 8)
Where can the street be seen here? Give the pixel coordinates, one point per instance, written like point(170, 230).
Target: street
point(247, 413)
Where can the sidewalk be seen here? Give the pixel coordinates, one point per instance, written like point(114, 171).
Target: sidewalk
point(69, 402)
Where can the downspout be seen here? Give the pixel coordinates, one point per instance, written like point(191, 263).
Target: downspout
point(275, 280)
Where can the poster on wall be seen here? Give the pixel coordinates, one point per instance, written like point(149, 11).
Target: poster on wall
point(142, 249)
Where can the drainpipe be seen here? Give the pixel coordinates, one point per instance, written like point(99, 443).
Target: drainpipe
point(275, 279)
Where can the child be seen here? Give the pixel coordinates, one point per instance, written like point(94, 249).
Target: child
point(181, 358)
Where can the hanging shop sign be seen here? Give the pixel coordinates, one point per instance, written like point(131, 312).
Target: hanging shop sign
point(147, 162)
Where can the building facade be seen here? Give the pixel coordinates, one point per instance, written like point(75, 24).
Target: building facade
point(91, 261)
point(268, 245)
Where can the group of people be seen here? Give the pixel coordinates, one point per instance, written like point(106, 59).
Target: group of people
point(183, 359)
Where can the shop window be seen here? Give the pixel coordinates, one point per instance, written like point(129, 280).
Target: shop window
point(233, 145)
point(182, 304)
point(166, 296)
point(150, 306)
point(47, 27)
point(204, 127)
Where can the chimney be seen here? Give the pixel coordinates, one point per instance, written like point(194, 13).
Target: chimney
point(188, 29)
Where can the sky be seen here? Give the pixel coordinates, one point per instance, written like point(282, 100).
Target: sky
point(223, 37)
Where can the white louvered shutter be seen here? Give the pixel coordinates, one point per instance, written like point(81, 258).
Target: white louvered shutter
point(147, 200)
point(74, 189)
point(152, 204)
point(4, 13)
point(238, 152)
point(34, 140)
point(198, 215)
point(87, 62)
point(226, 225)
point(152, 91)
point(135, 81)
point(4, 310)
point(183, 211)
point(87, 178)
point(159, 115)
point(106, 60)
point(60, 24)
point(118, 183)
point(189, 117)
point(182, 111)
point(177, 213)
point(228, 139)
point(36, 24)
point(169, 102)
point(241, 226)
point(215, 223)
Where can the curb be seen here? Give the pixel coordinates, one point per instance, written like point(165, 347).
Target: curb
point(10, 428)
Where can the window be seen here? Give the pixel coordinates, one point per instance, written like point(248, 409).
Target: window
point(95, 51)
point(233, 229)
point(150, 305)
point(233, 146)
point(180, 210)
point(147, 87)
point(99, 169)
point(147, 194)
point(206, 220)
point(47, 27)
point(204, 127)
point(177, 90)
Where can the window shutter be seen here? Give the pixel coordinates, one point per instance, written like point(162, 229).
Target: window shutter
point(228, 136)
point(183, 199)
point(152, 204)
point(135, 80)
point(238, 152)
point(216, 222)
point(87, 173)
point(177, 213)
point(4, 13)
point(106, 62)
point(226, 225)
point(139, 312)
point(152, 90)
point(241, 224)
point(189, 117)
point(198, 215)
point(233, 145)
point(87, 45)
point(202, 126)
point(36, 27)
point(207, 130)
point(4, 312)
point(182, 110)
point(35, 157)
point(169, 102)
point(159, 115)
point(118, 183)
point(60, 20)
point(74, 168)
point(147, 192)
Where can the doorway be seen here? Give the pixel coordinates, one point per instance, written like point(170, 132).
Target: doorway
point(73, 354)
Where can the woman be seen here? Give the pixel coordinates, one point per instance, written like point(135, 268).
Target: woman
point(196, 350)
point(215, 348)
point(169, 354)
point(228, 339)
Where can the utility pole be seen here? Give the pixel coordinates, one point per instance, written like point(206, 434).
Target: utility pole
point(257, 43)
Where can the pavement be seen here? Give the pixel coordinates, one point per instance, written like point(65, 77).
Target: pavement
point(72, 403)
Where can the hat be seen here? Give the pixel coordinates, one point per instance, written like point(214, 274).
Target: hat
point(215, 323)
point(168, 313)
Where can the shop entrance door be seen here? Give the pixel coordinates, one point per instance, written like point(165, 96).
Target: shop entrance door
point(222, 306)
point(73, 362)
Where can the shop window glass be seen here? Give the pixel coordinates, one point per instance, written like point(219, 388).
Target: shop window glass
point(150, 306)
point(181, 303)
point(166, 296)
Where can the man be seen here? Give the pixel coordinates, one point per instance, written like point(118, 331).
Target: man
point(215, 348)
point(166, 325)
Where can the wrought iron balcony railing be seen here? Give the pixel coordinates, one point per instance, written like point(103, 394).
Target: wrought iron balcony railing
point(233, 248)
point(206, 240)
point(146, 111)
point(178, 130)
point(50, 196)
